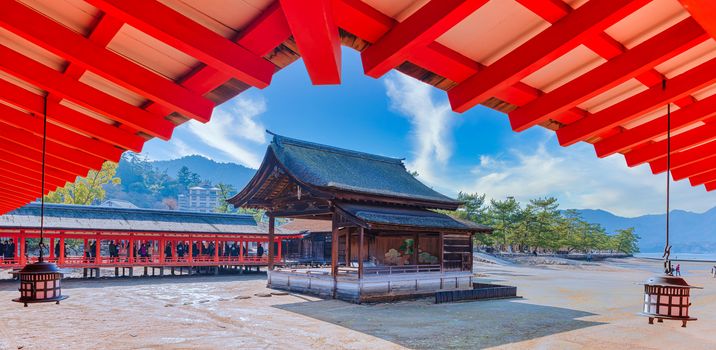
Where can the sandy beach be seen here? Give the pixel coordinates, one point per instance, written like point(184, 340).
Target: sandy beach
point(572, 306)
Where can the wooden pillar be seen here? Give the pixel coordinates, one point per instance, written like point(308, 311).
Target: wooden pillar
point(162, 258)
point(361, 233)
point(272, 229)
point(130, 250)
point(471, 252)
point(62, 251)
point(98, 248)
point(175, 258)
point(415, 248)
point(334, 251)
point(190, 258)
point(278, 254)
point(442, 249)
point(241, 251)
point(216, 251)
point(52, 249)
point(21, 244)
point(348, 248)
point(85, 249)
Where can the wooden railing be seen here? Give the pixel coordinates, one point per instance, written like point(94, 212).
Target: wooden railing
point(124, 261)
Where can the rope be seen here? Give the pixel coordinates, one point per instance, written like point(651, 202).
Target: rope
point(668, 269)
point(42, 195)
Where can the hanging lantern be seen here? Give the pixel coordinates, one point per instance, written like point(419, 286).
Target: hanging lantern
point(40, 283)
point(667, 298)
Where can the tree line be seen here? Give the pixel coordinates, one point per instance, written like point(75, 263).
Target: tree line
point(538, 226)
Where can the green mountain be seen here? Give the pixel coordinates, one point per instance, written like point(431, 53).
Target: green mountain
point(689, 232)
point(209, 170)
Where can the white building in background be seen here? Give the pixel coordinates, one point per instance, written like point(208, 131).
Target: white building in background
point(199, 199)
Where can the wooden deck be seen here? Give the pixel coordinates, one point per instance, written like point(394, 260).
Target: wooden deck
point(372, 287)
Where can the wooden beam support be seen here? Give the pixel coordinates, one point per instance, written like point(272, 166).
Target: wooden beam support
point(630, 138)
point(82, 52)
point(655, 97)
point(614, 72)
point(704, 12)
point(695, 168)
point(271, 240)
point(173, 28)
point(684, 158)
point(703, 178)
point(69, 118)
point(650, 152)
point(422, 27)
point(20, 163)
point(563, 36)
point(29, 155)
point(316, 34)
point(13, 117)
point(56, 83)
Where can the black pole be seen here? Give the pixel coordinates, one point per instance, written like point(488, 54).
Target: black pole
point(667, 248)
point(42, 186)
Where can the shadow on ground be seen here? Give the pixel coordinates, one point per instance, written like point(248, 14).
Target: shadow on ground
point(421, 324)
point(70, 283)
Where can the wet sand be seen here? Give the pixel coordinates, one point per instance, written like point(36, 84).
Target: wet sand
point(564, 306)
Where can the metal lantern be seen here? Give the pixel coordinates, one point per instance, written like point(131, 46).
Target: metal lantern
point(40, 283)
point(667, 298)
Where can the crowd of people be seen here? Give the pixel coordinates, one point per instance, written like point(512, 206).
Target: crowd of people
point(7, 249)
point(121, 249)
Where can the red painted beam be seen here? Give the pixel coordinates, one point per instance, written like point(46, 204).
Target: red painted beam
point(614, 72)
point(33, 169)
point(679, 142)
point(704, 12)
point(30, 176)
point(695, 168)
point(32, 124)
point(362, 20)
point(602, 44)
point(703, 178)
point(560, 38)
point(20, 187)
point(34, 156)
point(175, 29)
point(73, 47)
point(639, 104)
point(56, 83)
point(630, 138)
point(422, 28)
point(15, 196)
point(710, 186)
point(563, 36)
point(316, 34)
point(69, 118)
point(69, 154)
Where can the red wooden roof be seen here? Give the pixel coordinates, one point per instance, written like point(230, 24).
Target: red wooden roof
point(119, 72)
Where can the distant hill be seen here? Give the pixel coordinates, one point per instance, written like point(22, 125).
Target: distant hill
point(216, 172)
point(690, 232)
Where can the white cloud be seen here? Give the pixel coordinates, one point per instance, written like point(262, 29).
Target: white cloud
point(581, 180)
point(431, 124)
point(235, 130)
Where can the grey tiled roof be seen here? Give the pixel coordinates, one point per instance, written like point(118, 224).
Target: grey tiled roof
point(79, 217)
point(401, 216)
point(336, 168)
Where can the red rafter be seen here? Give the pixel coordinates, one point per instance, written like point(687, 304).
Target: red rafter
point(421, 28)
point(695, 168)
point(703, 178)
point(56, 83)
point(684, 158)
point(619, 69)
point(69, 118)
point(563, 36)
point(316, 34)
point(58, 39)
point(15, 118)
point(679, 142)
point(639, 104)
point(693, 113)
point(175, 29)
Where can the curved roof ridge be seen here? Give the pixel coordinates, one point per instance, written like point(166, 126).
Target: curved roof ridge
point(279, 139)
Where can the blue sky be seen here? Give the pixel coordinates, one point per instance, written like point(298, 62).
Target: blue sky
point(401, 117)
